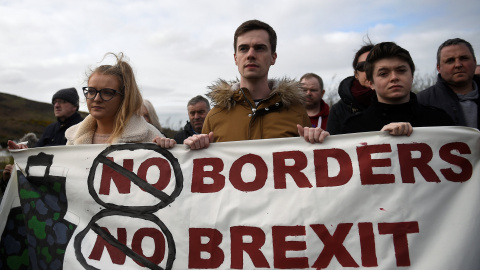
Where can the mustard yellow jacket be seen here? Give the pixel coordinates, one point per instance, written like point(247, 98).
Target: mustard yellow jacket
point(235, 116)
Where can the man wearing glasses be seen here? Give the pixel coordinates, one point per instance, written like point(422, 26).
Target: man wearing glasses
point(354, 91)
point(65, 108)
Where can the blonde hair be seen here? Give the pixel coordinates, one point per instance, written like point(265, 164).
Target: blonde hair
point(152, 114)
point(132, 98)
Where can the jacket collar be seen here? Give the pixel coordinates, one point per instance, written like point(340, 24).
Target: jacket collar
point(227, 94)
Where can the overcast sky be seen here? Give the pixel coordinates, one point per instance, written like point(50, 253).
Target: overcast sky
point(178, 48)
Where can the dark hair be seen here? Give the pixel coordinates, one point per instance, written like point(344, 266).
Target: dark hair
point(365, 48)
point(256, 25)
point(198, 99)
point(313, 75)
point(386, 50)
point(455, 41)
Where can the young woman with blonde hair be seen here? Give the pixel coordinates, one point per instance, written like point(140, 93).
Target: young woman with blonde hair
point(115, 103)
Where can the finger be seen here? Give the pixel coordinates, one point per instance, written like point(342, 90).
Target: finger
point(194, 143)
point(188, 142)
point(410, 129)
point(306, 133)
point(317, 134)
point(386, 128)
point(205, 140)
point(324, 134)
point(210, 136)
point(397, 130)
point(12, 145)
point(312, 133)
point(199, 141)
point(300, 130)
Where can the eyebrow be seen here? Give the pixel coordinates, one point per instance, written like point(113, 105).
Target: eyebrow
point(395, 67)
point(254, 45)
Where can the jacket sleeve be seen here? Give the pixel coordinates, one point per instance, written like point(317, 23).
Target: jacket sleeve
point(46, 136)
point(206, 125)
point(333, 123)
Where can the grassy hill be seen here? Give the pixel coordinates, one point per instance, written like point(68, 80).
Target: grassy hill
point(19, 116)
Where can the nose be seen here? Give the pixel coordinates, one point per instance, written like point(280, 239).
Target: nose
point(97, 97)
point(458, 63)
point(394, 76)
point(251, 53)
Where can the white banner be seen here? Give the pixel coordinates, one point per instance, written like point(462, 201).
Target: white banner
point(363, 201)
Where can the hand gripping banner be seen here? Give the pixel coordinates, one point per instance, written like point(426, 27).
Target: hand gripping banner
point(357, 201)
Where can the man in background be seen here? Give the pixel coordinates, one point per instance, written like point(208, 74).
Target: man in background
point(456, 90)
point(65, 108)
point(316, 107)
point(198, 108)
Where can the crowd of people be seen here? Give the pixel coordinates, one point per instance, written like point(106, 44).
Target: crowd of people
point(377, 97)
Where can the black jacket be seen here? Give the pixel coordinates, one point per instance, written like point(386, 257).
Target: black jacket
point(54, 134)
point(185, 133)
point(442, 96)
point(381, 114)
point(344, 108)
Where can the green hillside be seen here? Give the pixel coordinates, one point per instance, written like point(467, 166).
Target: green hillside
point(19, 116)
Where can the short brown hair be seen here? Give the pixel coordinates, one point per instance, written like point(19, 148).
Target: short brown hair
point(454, 41)
point(198, 99)
point(386, 50)
point(256, 25)
point(313, 75)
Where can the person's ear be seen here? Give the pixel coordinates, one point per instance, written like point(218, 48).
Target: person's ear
point(372, 85)
point(274, 58)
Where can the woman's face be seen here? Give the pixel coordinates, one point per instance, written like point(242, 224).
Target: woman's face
point(100, 109)
point(361, 76)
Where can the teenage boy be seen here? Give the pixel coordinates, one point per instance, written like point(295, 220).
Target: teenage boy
point(395, 109)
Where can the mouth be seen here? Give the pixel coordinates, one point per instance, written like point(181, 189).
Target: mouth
point(395, 87)
point(251, 66)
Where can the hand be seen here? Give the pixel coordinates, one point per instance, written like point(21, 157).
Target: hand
point(199, 141)
point(399, 129)
point(312, 135)
point(13, 145)
point(164, 142)
point(7, 172)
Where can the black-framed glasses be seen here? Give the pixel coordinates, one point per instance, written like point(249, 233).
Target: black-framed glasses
point(106, 93)
point(360, 66)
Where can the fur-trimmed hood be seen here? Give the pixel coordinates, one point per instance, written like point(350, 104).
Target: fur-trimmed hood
point(226, 94)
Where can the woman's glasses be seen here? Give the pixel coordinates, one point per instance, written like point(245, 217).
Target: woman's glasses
point(106, 93)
